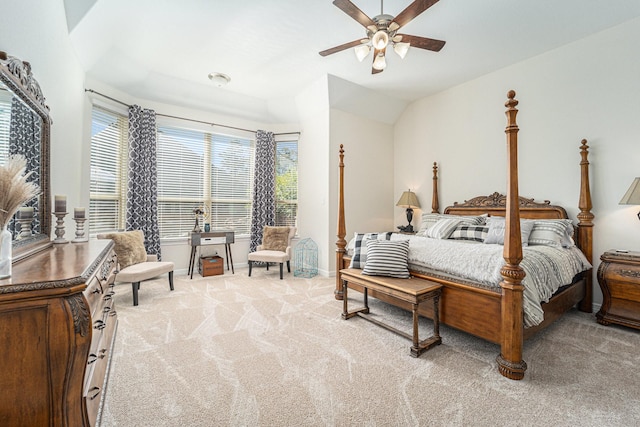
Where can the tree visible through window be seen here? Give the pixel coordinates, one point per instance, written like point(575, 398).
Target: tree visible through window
point(286, 182)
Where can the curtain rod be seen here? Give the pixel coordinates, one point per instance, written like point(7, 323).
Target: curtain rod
point(184, 118)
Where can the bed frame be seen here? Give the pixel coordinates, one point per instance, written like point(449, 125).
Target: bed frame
point(497, 315)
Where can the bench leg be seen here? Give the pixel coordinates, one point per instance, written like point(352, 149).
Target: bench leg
point(418, 346)
point(135, 286)
point(171, 280)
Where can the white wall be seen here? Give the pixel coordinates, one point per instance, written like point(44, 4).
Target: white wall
point(587, 89)
point(35, 31)
point(368, 158)
point(313, 171)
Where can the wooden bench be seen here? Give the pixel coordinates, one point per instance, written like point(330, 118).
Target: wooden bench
point(413, 291)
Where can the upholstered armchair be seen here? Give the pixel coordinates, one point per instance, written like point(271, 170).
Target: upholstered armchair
point(275, 248)
point(134, 264)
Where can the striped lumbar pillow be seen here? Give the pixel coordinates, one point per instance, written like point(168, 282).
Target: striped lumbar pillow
point(387, 258)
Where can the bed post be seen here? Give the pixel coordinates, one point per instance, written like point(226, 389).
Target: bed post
point(585, 226)
point(341, 243)
point(510, 363)
point(435, 206)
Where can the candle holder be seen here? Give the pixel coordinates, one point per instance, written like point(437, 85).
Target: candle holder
point(79, 230)
point(25, 228)
point(60, 228)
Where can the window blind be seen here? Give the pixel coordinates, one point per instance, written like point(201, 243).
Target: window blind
point(181, 155)
point(109, 135)
point(5, 122)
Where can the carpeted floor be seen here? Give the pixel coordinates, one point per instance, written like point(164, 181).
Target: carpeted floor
point(259, 351)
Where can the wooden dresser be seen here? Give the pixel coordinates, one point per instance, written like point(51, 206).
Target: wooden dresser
point(57, 326)
point(619, 279)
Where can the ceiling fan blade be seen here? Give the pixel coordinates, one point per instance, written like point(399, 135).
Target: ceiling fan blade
point(413, 10)
point(423, 42)
point(341, 47)
point(352, 10)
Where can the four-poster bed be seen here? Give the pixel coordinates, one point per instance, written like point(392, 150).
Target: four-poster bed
point(496, 314)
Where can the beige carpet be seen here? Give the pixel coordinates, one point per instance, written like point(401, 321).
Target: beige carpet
point(234, 350)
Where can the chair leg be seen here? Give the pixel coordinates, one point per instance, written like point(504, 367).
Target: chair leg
point(288, 267)
point(171, 280)
point(280, 271)
point(250, 265)
point(135, 286)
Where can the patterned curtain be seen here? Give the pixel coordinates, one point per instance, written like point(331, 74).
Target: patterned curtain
point(25, 128)
point(142, 178)
point(264, 187)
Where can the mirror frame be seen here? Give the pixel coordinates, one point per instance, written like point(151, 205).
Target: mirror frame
point(16, 75)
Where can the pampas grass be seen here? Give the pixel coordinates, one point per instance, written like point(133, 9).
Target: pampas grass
point(14, 188)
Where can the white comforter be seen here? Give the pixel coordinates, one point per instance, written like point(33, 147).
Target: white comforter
point(547, 268)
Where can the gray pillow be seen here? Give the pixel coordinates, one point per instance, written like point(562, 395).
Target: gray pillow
point(495, 234)
point(552, 232)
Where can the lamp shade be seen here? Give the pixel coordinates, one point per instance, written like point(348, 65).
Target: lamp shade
point(632, 196)
point(380, 39)
point(401, 49)
point(408, 200)
point(379, 63)
point(362, 51)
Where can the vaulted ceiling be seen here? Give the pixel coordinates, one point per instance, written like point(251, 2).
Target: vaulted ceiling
point(163, 50)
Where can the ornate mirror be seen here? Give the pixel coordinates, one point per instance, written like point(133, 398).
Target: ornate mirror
point(25, 129)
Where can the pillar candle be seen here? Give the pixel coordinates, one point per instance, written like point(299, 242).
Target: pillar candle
point(78, 213)
point(25, 212)
point(60, 203)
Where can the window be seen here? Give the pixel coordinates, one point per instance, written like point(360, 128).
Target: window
point(286, 182)
point(198, 168)
point(195, 168)
point(109, 135)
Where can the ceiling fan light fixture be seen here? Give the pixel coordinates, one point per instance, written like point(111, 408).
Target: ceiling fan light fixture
point(219, 79)
point(380, 63)
point(401, 49)
point(362, 51)
point(380, 39)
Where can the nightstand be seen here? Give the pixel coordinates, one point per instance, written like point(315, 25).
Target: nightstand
point(619, 279)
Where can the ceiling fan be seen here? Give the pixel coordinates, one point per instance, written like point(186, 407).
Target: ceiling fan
point(382, 31)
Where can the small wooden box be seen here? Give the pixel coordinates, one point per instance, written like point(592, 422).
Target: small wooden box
point(210, 266)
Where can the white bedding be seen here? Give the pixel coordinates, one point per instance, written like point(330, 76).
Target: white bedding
point(547, 268)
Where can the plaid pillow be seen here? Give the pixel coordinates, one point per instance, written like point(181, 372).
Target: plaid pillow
point(428, 220)
point(476, 233)
point(359, 257)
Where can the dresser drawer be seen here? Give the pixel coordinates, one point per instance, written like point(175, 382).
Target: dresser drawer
point(98, 365)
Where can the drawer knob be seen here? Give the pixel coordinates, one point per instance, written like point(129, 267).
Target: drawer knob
point(96, 392)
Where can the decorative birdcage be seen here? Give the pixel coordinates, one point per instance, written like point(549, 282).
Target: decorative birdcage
point(305, 258)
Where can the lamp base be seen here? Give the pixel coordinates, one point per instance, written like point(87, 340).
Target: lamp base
point(406, 228)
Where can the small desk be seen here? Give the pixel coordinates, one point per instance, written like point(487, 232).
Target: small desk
point(225, 238)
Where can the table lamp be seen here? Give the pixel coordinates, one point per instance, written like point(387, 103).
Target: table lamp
point(408, 200)
point(632, 196)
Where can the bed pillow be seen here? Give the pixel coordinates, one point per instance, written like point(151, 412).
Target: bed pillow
point(552, 232)
point(359, 257)
point(443, 228)
point(387, 258)
point(476, 233)
point(495, 234)
point(427, 220)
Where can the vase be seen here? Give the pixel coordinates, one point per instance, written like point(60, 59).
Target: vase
point(5, 253)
